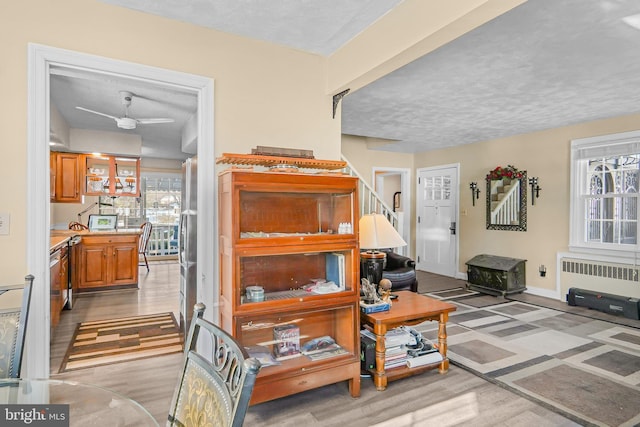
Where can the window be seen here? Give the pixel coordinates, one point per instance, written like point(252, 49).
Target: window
point(159, 204)
point(604, 194)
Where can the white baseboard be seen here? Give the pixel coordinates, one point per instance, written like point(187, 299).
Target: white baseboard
point(547, 293)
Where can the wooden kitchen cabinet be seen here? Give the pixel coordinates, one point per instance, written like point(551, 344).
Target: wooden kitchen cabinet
point(278, 237)
point(65, 177)
point(108, 261)
point(111, 176)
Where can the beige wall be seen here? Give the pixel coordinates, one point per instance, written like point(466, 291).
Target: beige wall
point(544, 154)
point(264, 94)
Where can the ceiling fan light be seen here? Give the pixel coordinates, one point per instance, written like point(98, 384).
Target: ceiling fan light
point(126, 123)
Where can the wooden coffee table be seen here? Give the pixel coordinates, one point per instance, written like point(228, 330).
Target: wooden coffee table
point(408, 309)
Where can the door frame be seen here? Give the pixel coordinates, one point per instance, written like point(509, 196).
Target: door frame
point(40, 57)
point(456, 199)
point(405, 185)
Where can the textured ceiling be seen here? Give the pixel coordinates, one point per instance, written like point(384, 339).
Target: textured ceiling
point(313, 26)
point(544, 64)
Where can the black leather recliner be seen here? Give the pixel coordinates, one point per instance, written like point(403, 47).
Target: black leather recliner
point(401, 270)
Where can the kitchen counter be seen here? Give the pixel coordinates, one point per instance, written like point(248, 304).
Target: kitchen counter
point(57, 242)
point(59, 238)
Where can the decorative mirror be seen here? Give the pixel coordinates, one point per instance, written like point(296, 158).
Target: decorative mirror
point(507, 199)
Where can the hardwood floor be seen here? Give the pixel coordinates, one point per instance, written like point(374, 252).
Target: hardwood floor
point(456, 398)
point(149, 381)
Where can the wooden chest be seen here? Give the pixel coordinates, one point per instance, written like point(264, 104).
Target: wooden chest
point(496, 275)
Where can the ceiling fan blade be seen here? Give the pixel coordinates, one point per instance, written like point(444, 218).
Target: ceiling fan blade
point(154, 121)
point(98, 113)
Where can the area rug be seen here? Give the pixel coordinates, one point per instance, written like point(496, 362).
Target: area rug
point(103, 342)
point(585, 369)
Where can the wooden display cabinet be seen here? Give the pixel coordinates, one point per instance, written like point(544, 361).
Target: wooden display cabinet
point(279, 234)
point(65, 177)
point(112, 176)
point(107, 261)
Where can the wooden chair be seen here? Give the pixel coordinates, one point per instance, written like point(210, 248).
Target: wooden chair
point(212, 391)
point(144, 241)
point(73, 225)
point(14, 313)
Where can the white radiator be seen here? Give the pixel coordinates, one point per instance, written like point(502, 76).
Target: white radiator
point(599, 275)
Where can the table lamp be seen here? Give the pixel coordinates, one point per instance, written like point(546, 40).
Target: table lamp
point(376, 232)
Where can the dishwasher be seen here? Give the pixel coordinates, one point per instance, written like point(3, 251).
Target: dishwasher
point(55, 296)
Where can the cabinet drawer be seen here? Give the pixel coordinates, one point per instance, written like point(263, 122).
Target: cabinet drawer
point(107, 239)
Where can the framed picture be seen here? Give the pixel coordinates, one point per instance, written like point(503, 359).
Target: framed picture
point(102, 222)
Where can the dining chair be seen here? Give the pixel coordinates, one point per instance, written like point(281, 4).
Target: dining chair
point(14, 313)
point(74, 225)
point(144, 241)
point(213, 390)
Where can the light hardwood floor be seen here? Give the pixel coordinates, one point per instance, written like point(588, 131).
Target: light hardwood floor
point(456, 398)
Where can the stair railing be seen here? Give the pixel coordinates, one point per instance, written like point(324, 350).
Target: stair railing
point(369, 200)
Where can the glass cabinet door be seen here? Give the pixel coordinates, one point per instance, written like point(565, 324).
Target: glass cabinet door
point(299, 338)
point(97, 175)
point(112, 176)
point(286, 214)
point(295, 277)
point(126, 176)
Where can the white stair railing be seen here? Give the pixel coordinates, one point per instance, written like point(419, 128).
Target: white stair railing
point(369, 200)
point(507, 210)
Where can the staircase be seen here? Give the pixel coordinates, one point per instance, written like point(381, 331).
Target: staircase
point(369, 200)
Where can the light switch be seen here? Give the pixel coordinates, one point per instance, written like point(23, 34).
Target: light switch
point(4, 223)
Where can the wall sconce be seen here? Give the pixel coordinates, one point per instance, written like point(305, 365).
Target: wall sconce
point(475, 192)
point(542, 270)
point(535, 189)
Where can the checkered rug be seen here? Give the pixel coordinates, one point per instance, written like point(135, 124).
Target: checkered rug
point(586, 369)
point(103, 342)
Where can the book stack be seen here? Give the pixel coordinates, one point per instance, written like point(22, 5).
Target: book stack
point(396, 342)
point(395, 357)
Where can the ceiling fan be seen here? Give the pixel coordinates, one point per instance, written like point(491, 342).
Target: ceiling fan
point(127, 122)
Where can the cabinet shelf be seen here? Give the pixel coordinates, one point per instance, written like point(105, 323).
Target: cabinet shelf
point(279, 239)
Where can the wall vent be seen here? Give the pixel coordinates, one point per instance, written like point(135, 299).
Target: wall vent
point(600, 269)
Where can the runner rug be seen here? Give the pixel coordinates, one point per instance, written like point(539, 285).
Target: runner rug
point(103, 342)
point(586, 369)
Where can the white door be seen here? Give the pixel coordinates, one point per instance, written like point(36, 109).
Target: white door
point(437, 220)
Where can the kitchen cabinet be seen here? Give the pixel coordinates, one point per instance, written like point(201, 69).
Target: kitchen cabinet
point(107, 261)
point(65, 177)
point(280, 247)
point(111, 176)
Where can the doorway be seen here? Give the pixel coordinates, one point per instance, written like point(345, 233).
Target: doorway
point(393, 185)
point(437, 216)
point(40, 59)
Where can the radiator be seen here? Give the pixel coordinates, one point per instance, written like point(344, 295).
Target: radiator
point(598, 275)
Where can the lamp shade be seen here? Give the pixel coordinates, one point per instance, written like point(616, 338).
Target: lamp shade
point(376, 232)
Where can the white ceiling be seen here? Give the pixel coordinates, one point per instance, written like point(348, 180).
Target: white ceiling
point(545, 64)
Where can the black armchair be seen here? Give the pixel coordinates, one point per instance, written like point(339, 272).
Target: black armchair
point(401, 271)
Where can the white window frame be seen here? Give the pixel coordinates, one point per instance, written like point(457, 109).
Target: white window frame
point(582, 150)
